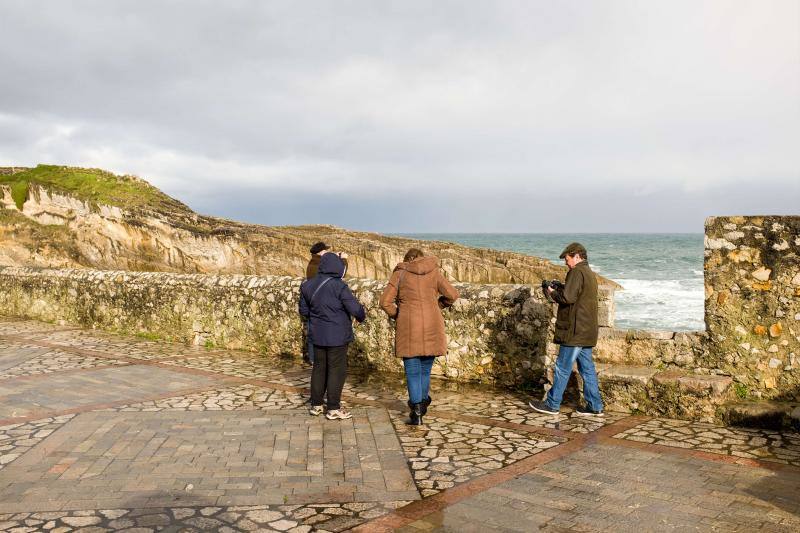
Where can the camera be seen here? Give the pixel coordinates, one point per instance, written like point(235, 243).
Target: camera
point(552, 284)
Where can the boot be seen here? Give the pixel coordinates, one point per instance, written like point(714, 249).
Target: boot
point(425, 403)
point(415, 415)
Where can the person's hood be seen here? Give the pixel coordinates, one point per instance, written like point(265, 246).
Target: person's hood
point(331, 265)
point(421, 265)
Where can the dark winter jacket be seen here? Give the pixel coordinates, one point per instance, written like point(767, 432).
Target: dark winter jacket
point(576, 320)
point(333, 307)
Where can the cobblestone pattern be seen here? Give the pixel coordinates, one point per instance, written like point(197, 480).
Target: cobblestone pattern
point(16, 439)
point(62, 391)
point(115, 345)
point(13, 354)
point(243, 397)
point(290, 518)
point(246, 366)
point(444, 453)
point(10, 325)
point(780, 447)
point(45, 361)
point(510, 408)
point(646, 492)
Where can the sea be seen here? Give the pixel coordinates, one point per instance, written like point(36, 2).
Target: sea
point(662, 274)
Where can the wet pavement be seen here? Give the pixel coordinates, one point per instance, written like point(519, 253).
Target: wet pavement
point(101, 432)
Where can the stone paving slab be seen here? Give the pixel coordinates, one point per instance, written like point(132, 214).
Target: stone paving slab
point(14, 354)
point(445, 453)
point(513, 408)
point(292, 518)
point(109, 343)
point(62, 391)
point(16, 439)
point(235, 398)
point(605, 488)
point(9, 325)
point(474, 441)
point(27, 360)
point(775, 446)
point(166, 459)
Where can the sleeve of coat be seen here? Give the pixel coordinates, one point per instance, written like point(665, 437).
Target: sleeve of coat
point(352, 305)
point(302, 306)
point(449, 294)
point(389, 295)
point(572, 288)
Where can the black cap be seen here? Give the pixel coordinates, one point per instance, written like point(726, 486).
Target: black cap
point(318, 247)
point(572, 249)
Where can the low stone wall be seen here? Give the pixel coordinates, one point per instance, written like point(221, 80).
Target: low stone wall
point(497, 333)
point(752, 286)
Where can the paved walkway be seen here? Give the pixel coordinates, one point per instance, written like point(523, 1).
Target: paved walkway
point(106, 433)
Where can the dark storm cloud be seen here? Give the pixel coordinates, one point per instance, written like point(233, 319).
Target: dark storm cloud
point(474, 106)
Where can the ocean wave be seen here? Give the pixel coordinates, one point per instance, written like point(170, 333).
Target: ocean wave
point(674, 304)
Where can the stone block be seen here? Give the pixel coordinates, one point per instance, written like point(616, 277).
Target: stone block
point(637, 374)
point(700, 383)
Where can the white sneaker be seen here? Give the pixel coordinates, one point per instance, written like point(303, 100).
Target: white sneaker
point(316, 410)
point(338, 414)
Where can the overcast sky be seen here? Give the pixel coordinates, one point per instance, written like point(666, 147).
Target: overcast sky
point(409, 116)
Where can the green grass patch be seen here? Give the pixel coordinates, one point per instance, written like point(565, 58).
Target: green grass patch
point(19, 192)
point(149, 336)
point(94, 186)
point(741, 391)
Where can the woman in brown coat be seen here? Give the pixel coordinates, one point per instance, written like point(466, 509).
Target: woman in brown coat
point(415, 295)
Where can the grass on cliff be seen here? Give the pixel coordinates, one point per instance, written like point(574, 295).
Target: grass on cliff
point(92, 185)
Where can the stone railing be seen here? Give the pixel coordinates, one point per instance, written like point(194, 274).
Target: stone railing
point(497, 333)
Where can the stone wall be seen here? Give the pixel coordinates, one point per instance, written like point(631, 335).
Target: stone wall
point(752, 289)
point(497, 333)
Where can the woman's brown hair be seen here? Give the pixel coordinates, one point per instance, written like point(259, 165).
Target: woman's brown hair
point(412, 254)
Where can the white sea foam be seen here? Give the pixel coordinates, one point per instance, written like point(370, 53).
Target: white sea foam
point(677, 304)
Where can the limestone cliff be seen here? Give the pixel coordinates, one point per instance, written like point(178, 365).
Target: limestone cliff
point(54, 216)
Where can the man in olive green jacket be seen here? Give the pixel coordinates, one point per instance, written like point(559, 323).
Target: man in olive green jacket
point(576, 332)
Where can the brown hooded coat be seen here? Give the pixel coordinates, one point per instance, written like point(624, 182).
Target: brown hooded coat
point(414, 295)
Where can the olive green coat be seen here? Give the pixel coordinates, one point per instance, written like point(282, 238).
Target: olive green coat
point(576, 320)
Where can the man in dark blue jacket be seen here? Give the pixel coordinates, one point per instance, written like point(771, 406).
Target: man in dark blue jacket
point(329, 305)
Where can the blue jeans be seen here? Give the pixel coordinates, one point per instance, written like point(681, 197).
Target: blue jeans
point(567, 355)
point(418, 376)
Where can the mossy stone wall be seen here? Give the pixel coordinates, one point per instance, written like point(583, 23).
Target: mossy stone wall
point(752, 291)
point(497, 333)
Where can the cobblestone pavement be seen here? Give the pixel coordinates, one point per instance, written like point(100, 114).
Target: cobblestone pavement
point(101, 432)
point(780, 447)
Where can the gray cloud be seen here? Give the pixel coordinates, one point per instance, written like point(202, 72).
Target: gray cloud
point(463, 112)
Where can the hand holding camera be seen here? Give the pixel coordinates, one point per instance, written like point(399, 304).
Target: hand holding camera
point(550, 285)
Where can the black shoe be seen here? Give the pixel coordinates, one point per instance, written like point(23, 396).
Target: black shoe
point(585, 411)
point(542, 407)
point(425, 403)
point(415, 416)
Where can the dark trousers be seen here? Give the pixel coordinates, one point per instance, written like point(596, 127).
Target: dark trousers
point(328, 374)
point(308, 343)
